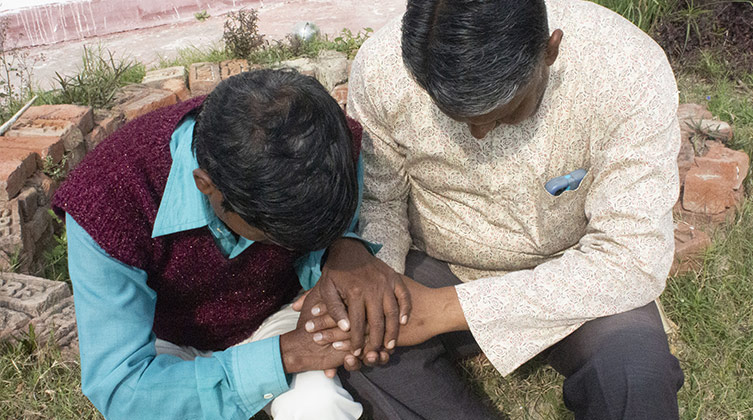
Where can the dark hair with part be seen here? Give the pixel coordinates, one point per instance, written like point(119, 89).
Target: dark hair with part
point(278, 147)
point(472, 56)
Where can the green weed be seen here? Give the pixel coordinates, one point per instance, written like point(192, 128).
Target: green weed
point(99, 78)
point(201, 16)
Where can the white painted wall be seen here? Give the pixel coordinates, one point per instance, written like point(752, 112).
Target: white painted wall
point(6, 5)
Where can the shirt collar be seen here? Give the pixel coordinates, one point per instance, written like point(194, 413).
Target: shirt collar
point(183, 206)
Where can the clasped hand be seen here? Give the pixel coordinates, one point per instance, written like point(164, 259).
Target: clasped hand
point(357, 306)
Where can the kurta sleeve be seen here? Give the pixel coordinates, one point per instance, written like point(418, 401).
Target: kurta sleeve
point(384, 217)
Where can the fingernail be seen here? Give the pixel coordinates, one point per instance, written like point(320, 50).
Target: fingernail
point(343, 324)
point(350, 360)
point(318, 337)
point(315, 310)
point(357, 352)
point(310, 326)
point(337, 344)
point(404, 319)
point(391, 344)
point(372, 359)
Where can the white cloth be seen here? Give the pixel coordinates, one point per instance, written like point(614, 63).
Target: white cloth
point(312, 395)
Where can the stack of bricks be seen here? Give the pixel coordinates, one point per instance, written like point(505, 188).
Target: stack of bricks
point(44, 304)
point(711, 183)
point(35, 154)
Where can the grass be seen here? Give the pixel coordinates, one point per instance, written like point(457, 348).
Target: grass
point(38, 382)
point(645, 14)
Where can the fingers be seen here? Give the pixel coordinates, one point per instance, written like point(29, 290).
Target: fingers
point(320, 323)
point(330, 336)
point(371, 358)
point(335, 305)
point(357, 313)
point(403, 299)
point(298, 304)
point(330, 373)
point(375, 315)
point(391, 325)
point(352, 363)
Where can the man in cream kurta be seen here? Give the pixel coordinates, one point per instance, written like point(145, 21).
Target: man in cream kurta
point(534, 266)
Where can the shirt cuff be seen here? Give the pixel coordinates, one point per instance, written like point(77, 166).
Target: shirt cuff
point(259, 376)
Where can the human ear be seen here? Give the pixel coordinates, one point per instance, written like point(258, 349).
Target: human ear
point(203, 182)
point(553, 47)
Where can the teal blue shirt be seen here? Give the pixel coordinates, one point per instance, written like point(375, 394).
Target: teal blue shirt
point(120, 370)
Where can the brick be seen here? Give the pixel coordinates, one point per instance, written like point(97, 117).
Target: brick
point(60, 321)
point(203, 78)
point(37, 225)
point(331, 68)
point(16, 166)
point(30, 295)
point(81, 116)
point(12, 323)
point(230, 68)
point(65, 130)
point(713, 185)
point(724, 159)
point(690, 244)
point(45, 185)
point(155, 78)
point(136, 100)
point(28, 201)
point(718, 130)
point(340, 93)
point(694, 112)
point(305, 66)
point(178, 87)
point(171, 78)
point(44, 146)
point(75, 156)
point(105, 123)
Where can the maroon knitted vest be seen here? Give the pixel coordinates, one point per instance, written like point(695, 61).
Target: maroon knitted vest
point(204, 299)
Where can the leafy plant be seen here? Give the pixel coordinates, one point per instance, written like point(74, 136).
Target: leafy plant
point(201, 16)
point(56, 258)
point(99, 78)
point(349, 43)
point(241, 34)
point(56, 171)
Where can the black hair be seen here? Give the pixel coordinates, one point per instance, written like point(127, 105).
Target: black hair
point(472, 56)
point(278, 147)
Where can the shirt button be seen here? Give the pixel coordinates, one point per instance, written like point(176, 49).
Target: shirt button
point(268, 396)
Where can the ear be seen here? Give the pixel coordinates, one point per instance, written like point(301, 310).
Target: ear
point(203, 182)
point(553, 47)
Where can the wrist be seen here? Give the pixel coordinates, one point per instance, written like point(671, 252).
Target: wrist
point(290, 361)
point(447, 312)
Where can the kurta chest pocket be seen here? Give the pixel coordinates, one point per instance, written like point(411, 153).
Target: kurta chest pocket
point(562, 218)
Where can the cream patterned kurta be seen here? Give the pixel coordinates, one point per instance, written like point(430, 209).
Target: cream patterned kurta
point(535, 266)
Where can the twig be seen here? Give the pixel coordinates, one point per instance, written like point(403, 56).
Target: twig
point(5, 127)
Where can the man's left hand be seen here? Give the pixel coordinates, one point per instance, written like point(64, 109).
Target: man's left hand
point(355, 287)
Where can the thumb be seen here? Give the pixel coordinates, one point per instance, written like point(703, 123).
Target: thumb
point(298, 304)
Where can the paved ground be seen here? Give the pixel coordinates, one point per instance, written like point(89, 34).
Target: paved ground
point(275, 21)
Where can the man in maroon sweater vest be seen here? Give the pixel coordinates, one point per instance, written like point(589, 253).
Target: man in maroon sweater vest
point(192, 229)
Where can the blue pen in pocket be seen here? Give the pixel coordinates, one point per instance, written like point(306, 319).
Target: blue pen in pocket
point(560, 184)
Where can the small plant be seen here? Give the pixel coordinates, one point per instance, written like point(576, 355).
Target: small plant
point(99, 78)
point(56, 171)
point(201, 16)
point(56, 258)
point(241, 34)
point(349, 43)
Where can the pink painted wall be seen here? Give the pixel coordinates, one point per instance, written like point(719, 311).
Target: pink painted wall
point(73, 20)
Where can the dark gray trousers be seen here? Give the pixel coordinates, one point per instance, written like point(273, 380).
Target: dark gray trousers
point(616, 367)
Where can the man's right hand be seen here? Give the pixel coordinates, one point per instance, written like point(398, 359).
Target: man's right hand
point(300, 353)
